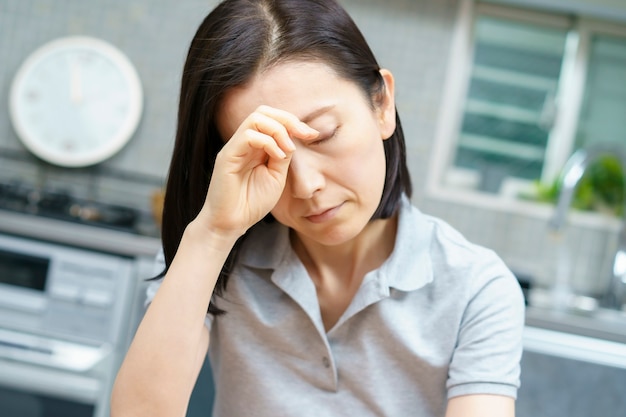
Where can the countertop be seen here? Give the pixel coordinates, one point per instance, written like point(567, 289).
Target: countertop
point(596, 336)
point(75, 234)
point(600, 324)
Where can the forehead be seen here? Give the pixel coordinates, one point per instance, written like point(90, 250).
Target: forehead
point(298, 87)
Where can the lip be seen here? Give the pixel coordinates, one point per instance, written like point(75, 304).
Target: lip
point(323, 215)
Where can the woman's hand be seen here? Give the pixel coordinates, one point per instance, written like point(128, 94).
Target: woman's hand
point(251, 170)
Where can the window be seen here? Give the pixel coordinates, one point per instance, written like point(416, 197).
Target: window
point(603, 113)
point(537, 87)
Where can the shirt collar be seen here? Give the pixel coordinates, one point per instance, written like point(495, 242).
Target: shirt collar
point(408, 268)
point(266, 246)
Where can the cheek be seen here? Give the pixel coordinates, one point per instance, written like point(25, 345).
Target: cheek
point(281, 209)
point(366, 164)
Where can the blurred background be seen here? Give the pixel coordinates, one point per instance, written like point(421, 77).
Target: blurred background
point(495, 97)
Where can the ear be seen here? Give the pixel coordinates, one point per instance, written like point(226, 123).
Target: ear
point(387, 106)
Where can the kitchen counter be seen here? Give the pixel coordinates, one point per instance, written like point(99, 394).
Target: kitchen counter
point(597, 336)
point(599, 324)
point(574, 363)
point(75, 234)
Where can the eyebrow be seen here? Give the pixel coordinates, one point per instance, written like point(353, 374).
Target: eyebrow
point(317, 113)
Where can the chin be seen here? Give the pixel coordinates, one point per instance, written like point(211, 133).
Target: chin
point(338, 235)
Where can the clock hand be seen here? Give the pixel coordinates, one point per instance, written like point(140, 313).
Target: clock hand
point(76, 91)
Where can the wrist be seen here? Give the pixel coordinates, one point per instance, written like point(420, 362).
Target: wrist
point(212, 238)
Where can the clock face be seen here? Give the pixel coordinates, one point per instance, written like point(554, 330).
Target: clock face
point(76, 101)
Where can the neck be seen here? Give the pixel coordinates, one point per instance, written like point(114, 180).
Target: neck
point(350, 260)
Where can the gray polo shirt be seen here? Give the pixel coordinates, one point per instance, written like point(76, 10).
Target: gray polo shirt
point(440, 318)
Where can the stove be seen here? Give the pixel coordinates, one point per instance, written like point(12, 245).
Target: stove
point(71, 297)
point(60, 204)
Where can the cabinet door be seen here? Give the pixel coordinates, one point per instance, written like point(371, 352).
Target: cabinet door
point(554, 385)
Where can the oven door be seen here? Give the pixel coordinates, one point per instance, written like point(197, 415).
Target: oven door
point(35, 391)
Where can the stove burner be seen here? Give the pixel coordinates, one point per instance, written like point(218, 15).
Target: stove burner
point(61, 205)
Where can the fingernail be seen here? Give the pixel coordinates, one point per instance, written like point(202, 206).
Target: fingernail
point(308, 128)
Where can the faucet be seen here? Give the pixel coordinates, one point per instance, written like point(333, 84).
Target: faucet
point(615, 295)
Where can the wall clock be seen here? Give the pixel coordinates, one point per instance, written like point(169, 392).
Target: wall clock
point(76, 101)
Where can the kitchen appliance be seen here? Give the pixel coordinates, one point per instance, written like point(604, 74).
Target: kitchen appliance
point(62, 313)
point(59, 203)
point(71, 295)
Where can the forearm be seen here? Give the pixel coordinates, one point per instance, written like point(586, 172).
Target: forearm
point(163, 361)
point(248, 179)
point(481, 405)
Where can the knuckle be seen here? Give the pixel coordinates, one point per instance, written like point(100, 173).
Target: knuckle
point(255, 118)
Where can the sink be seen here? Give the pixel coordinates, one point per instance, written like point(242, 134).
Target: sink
point(597, 337)
point(582, 316)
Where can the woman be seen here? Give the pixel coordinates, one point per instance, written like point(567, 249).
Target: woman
point(287, 214)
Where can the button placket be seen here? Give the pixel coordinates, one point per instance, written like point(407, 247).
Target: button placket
point(326, 362)
point(326, 365)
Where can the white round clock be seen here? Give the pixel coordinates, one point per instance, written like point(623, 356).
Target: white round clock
point(76, 101)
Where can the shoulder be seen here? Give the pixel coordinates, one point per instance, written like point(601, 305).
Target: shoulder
point(474, 291)
point(453, 247)
point(456, 263)
point(448, 248)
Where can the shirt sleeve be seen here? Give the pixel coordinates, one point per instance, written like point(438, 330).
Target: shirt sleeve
point(487, 357)
point(153, 286)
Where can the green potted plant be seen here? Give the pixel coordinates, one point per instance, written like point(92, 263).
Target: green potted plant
point(601, 188)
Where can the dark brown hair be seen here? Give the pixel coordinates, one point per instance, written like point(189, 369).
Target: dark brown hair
point(235, 41)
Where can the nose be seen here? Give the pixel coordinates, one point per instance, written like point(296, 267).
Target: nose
point(305, 176)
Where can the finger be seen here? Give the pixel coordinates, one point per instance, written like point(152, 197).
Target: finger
point(295, 127)
point(267, 125)
point(279, 167)
point(267, 143)
point(272, 127)
point(260, 132)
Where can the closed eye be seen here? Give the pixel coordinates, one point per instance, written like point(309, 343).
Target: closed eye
point(325, 137)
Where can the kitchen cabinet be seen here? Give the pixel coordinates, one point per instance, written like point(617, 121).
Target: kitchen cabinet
point(554, 386)
point(201, 402)
point(573, 364)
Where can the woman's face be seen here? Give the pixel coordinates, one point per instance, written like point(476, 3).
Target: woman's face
point(335, 181)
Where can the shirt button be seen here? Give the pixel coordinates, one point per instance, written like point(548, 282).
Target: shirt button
point(326, 362)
